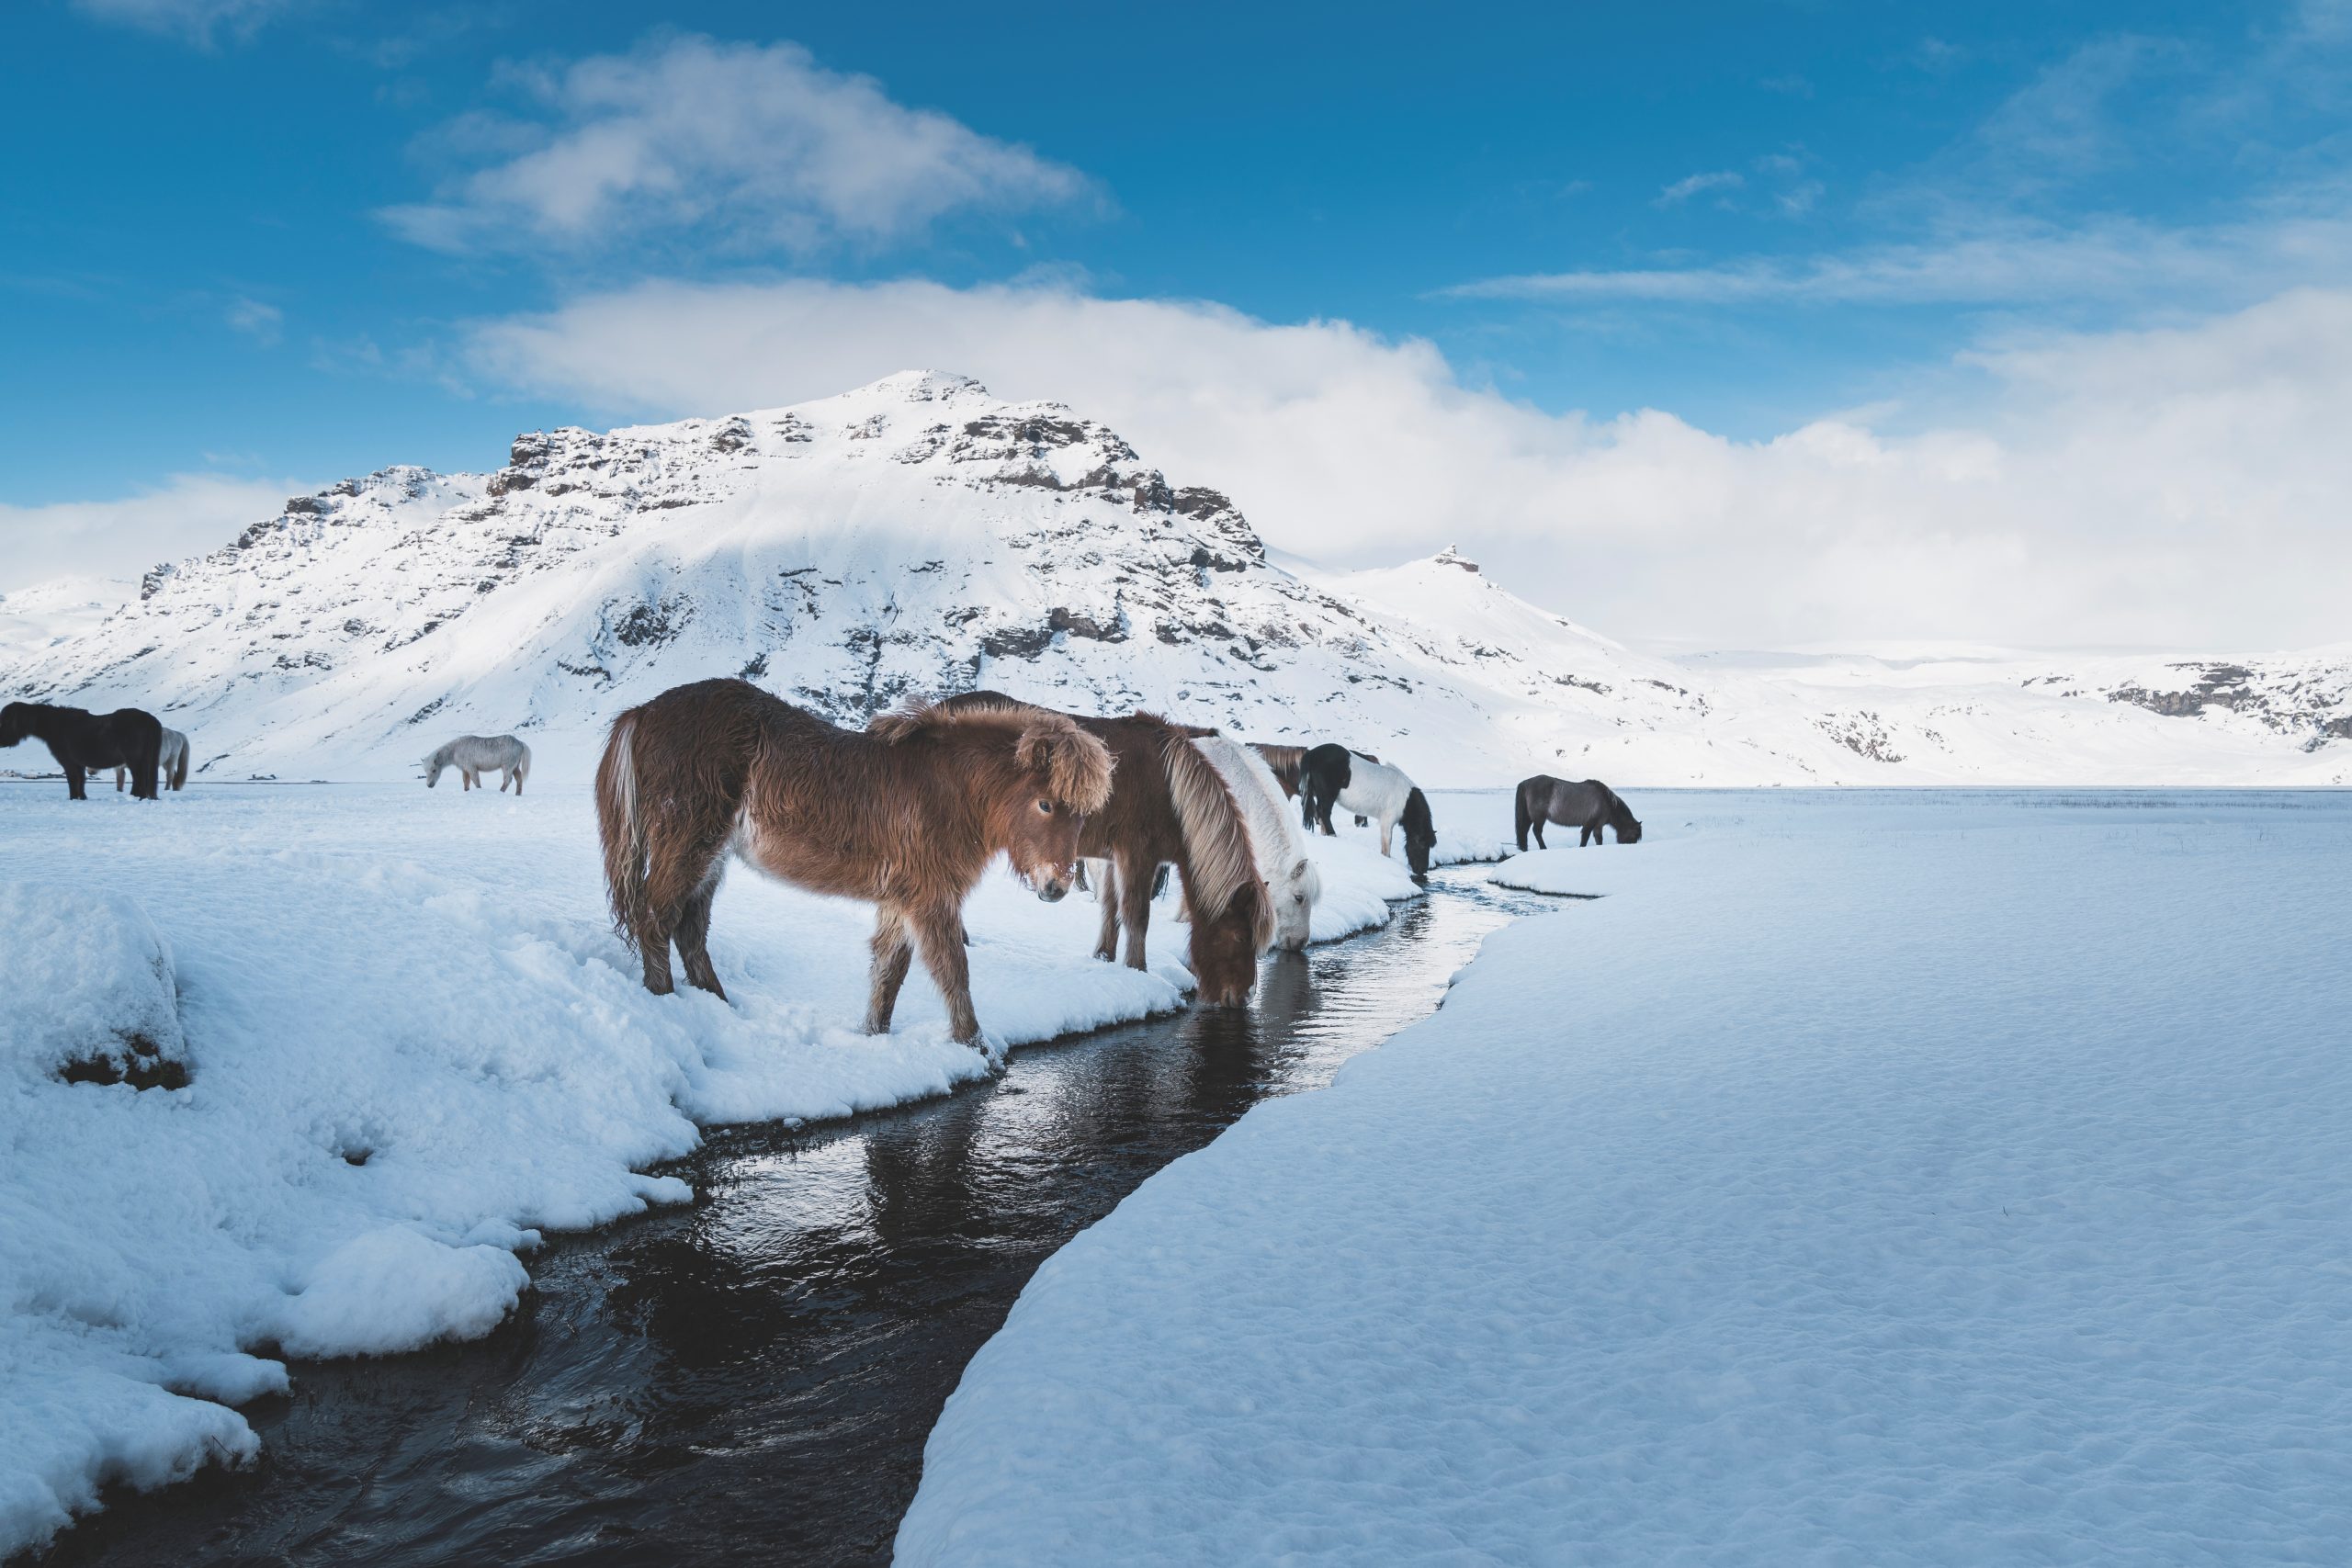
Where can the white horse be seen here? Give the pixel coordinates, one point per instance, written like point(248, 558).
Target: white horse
point(1389, 798)
point(474, 755)
point(1292, 881)
point(170, 763)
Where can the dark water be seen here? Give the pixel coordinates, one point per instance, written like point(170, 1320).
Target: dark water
point(751, 1377)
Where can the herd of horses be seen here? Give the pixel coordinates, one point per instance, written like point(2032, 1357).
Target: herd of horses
point(907, 813)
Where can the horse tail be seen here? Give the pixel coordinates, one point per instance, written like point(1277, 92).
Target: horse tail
point(522, 766)
point(179, 765)
point(621, 826)
point(1522, 818)
point(1222, 865)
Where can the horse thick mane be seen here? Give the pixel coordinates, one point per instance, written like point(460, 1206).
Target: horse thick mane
point(1621, 816)
point(1076, 765)
point(1216, 838)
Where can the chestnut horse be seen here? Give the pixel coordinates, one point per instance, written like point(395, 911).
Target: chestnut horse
point(1285, 762)
point(906, 814)
point(1168, 806)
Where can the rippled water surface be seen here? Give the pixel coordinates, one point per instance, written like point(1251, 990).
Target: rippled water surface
point(751, 1377)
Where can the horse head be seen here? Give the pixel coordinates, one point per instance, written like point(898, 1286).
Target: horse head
point(1066, 777)
point(15, 723)
point(1628, 831)
point(1420, 832)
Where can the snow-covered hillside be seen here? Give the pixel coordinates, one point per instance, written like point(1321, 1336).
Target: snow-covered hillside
point(921, 536)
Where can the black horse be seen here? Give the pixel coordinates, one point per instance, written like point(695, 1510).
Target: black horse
point(86, 742)
point(1586, 807)
point(1322, 774)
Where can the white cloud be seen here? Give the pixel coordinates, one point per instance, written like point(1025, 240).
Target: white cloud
point(1996, 262)
point(122, 538)
point(755, 144)
point(1689, 185)
point(2177, 487)
point(256, 319)
point(200, 22)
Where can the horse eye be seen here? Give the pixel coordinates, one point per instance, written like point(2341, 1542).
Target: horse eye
point(1047, 807)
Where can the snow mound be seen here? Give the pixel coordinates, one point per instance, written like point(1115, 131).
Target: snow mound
point(396, 1290)
point(92, 985)
point(1751, 1217)
point(1358, 887)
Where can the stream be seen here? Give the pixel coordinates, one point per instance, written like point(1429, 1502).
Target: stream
point(753, 1375)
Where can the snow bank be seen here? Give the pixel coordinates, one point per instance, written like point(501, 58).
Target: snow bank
point(1909, 1179)
point(414, 1044)
point(1589, 872)
point(92, 982)
point(1358, 887)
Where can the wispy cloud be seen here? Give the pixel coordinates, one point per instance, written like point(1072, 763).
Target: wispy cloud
point(1790, 85)
point(2011, 262)
point(258, 320)
point(200, 22)
point(757, 145)
point(124, 537)
point(1689, 185)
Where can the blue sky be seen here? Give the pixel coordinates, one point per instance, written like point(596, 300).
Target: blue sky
point(258, 240)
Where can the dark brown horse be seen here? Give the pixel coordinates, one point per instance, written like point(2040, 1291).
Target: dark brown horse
point(1585, 807)
point(1285, 762)
point(1169, 807)
point(85, 742)
point(906, 814)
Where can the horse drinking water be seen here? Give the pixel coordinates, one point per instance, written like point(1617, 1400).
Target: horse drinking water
point(906, 816)
point(86, 742)
point(474, 755)
point(1585, 807)
point(1357, 782)
point(1168, 806)
point(1291, 879)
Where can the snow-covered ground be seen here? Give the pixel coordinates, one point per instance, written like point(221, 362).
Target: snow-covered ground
point(413, 1044)
point(1901, 1178)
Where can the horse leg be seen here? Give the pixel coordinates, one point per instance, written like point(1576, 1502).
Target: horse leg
point(506, 777)
point(73, 781)
point(892, 953)
point(144, 770)
point(1106, 946)
point(1589, 834)
point(1537, 826)
point(694, 934)
point(939, 933)
point(120, 773)
point(1387, 826)
point(1134, 908)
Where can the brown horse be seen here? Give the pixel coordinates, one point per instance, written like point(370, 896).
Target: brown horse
point(1169, 805)
point(906, 814)
point(1285, 762)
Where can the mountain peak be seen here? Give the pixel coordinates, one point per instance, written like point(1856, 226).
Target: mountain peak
point(1451, 556)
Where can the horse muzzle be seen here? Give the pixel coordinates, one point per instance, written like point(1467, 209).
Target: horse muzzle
point(1053, 890)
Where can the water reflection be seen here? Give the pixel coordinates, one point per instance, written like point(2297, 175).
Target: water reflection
point(758, 1371)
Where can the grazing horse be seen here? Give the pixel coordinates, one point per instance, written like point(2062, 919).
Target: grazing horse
point(474, 755)
point(84, 742)
point(906, 816)
point(1291, 878)
point(1168, 806)
point(1285, 760)
point(1586, 807)
point(171, 762)
point(1360, 783)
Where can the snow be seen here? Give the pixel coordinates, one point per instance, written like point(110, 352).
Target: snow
point(1889, 1178)
point(414, 1045)
point(93, 980)
point(1579, 872)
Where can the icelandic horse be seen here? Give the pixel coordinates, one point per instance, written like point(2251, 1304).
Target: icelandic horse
point(905, 815)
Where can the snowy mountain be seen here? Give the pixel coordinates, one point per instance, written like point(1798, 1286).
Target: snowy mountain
point(919, 537)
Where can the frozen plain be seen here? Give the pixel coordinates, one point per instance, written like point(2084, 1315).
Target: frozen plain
point(414, 1044)
point(1877, 1178)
